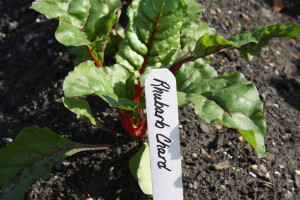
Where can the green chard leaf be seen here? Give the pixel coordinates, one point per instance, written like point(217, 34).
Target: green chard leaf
point(83, 111)
point(140, 168)
point(191, 31)
point(190, 34)
point(195, 10)
point(152, 34)
point(31, 156)
point(81, 108)
point(229, 99)
point(114, 84)
point(82, 22)
point(249, 43)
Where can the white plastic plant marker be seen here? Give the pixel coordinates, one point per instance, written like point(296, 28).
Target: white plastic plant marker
point(163, 135)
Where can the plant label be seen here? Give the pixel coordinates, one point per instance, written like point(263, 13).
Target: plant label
point(163, 135)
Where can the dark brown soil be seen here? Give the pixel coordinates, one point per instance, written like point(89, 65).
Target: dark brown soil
point(33, 66)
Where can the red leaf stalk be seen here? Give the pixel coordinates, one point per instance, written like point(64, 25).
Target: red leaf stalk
point(93, 57)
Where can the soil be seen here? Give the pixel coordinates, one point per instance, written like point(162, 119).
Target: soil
point(33, 66)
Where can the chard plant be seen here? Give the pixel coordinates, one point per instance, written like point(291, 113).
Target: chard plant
point(159, 34)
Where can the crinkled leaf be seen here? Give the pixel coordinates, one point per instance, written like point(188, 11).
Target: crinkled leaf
point(152, 34)
point(229, 99)
point(254, 40)
point(249, 42)
point(195, 10)
point(139, 166)
point(191, 72)
point(114, 84)
point(209, 44)
point(191, 33)
point(81, 22)
point(31, 156)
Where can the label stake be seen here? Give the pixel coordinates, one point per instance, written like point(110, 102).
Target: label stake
point(163, 135)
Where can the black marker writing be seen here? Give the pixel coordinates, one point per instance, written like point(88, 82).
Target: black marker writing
point(159, 88)
point(161, 150)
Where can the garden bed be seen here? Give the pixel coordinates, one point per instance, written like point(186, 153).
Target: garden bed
point(34, 64)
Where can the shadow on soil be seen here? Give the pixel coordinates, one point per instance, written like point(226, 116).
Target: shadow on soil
point(289, 88)
point(291, 7)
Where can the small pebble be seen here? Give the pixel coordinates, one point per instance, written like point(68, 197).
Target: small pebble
point(222, 165)
point(277, 173)
point(281, 166)
point(203, 151)
point(222, 186)
point(204, 128)
point(246, 17)
point(218, 126)
point(207, 155)
point(213, 12)
point(262, 168)
point(290, 181)
point(253, 167)
point(7, 140)
point(186, 174)
point(268, 175)
point(119, 191)
point(180, 126)
point(194, 155)
point(297, 171)
point(272, 64)
point(252, 174)
point(65, 163)
point(240, 138)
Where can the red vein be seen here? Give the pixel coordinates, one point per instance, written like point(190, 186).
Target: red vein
point(149, 45)
point(177, 66)
point(138, 90)
point(93, 57)
point(78, 149)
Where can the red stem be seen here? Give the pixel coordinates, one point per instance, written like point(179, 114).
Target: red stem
point(93, 57)
point(127, 117)
point(177, 66)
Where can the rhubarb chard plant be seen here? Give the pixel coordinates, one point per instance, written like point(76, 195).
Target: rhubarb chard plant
point(159, 34)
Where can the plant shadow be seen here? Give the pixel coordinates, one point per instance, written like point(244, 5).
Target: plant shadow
point(289, 87)
point(291, 7)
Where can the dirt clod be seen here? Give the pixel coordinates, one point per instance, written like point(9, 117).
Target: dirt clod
point(222, 165)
